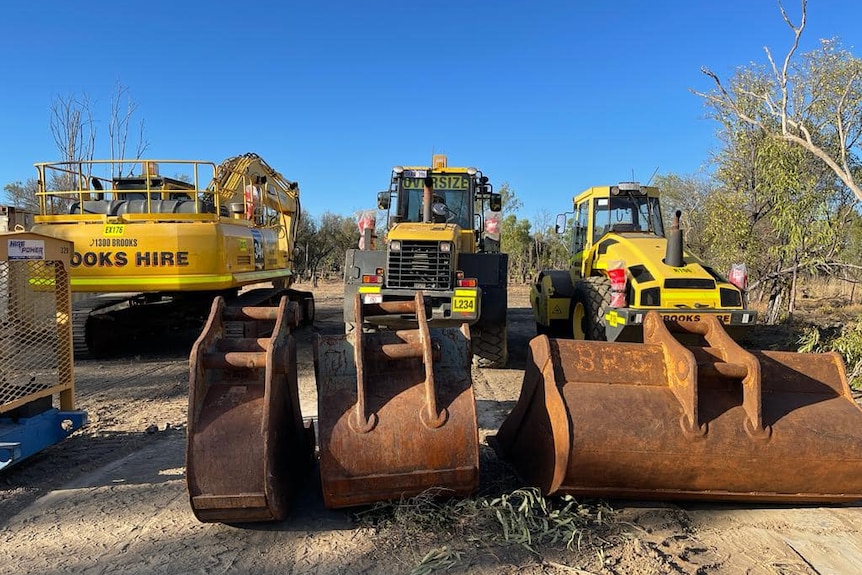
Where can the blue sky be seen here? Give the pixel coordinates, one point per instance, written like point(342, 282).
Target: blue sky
point(550, 96)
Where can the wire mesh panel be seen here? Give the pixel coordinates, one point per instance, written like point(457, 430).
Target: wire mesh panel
point(35, 331)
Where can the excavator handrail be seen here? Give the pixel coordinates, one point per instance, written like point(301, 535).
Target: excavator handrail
point(73, 183)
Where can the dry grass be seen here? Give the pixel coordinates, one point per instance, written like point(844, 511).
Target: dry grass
point(522, 518)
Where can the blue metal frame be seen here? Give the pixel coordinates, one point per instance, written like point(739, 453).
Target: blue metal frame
point(29, 435)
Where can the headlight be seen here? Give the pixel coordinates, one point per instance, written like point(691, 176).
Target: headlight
point(445, 247)
point(395, 245)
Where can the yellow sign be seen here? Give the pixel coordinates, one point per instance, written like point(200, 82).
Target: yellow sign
point(114, 229)
point(461, 304)
point(614, 319)
point(441, 182)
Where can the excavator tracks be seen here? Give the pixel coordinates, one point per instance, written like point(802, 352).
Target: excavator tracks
point(87, 341)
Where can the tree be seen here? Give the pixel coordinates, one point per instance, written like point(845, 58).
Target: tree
point(122, 110)
point(516, 241)
point(73, 127)
point(687, 194)
point(323, 244)
point(551, 248)
point(790, 161)
point(511, 203)
point(23, 196)
point(812, 103)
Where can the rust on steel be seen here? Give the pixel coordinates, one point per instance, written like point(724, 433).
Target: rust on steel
point(662, 420)
point(248, 448)
point(397, 414)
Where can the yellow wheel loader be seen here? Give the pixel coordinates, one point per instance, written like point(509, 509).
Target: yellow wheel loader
point(442, 240)
point(396, 404)
point(671, 407)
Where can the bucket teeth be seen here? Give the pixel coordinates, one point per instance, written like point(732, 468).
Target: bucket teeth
point(663, 420)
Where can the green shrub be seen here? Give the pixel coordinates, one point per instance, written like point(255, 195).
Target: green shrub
point(847, 342)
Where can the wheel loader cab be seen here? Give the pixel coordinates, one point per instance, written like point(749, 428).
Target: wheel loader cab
point(448, 205)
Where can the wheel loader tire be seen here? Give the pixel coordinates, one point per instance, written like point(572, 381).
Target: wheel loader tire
point(490, 346)
point(594, 295)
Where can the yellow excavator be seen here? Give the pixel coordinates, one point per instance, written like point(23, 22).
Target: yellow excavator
point(156, 240)
point(663, 403)
point(166, 243)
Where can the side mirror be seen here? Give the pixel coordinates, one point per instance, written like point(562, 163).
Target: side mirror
point(560, 225)
point(496, 203)
point(383, 199)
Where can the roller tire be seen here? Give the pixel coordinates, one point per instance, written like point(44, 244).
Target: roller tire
point(308, 310)
point(594, 293)
point(490, 346)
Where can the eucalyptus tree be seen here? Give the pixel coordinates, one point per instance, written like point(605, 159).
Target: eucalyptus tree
point(516, 240)
point(789, 167)
point(22, 195)
point(811, 101)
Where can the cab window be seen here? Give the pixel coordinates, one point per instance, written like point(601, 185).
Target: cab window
point(579, 238)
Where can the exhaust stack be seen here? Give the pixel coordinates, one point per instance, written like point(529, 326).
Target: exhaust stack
point(673, 255)
point(427, 198)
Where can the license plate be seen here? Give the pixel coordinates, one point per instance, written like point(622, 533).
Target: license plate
point(464, 304)
point(372, 298)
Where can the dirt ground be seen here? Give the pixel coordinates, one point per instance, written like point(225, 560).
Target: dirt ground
point(112, 498)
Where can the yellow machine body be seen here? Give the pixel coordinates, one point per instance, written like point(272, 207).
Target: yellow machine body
point(205, 230)
point(442, 239)
point(620, 229)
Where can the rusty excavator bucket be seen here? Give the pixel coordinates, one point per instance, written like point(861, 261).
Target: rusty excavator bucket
point(661, 420)
point(248, 448)
point(397, 414)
